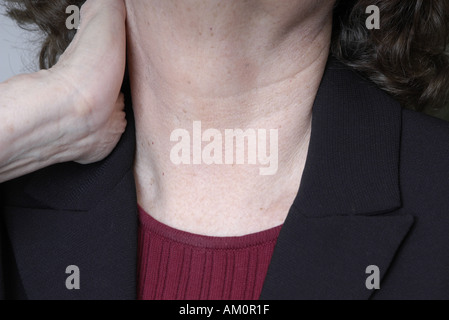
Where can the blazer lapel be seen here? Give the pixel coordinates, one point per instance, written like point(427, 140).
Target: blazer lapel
point(326, 258)
point(343, 218)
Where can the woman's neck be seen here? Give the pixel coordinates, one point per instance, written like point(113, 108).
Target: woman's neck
point(225, 65)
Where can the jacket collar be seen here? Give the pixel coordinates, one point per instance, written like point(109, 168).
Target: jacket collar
point(352, 165)
point(344, 217)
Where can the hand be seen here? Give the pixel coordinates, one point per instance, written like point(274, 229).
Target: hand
point(91, 70)
point(73, 111)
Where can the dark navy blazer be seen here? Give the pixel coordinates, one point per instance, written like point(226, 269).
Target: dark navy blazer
point(375, 191)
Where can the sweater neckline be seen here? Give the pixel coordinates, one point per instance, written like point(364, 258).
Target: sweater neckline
point(151, 225)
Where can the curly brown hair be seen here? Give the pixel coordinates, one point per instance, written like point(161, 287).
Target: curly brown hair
point(407, 57)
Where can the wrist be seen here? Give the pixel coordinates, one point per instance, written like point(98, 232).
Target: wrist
point(66, 122)
point(35, 121)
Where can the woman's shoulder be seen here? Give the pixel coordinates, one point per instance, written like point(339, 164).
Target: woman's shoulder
point(424, 161)
point(426, 138)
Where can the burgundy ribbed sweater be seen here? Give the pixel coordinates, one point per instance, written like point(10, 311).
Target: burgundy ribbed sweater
point(174, 264)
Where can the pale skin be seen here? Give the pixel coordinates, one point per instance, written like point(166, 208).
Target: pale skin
point(229, 64)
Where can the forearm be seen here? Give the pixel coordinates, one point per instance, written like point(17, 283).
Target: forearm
point(37, 124)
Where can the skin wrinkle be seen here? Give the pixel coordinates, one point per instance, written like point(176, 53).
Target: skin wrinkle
point(247, 65)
